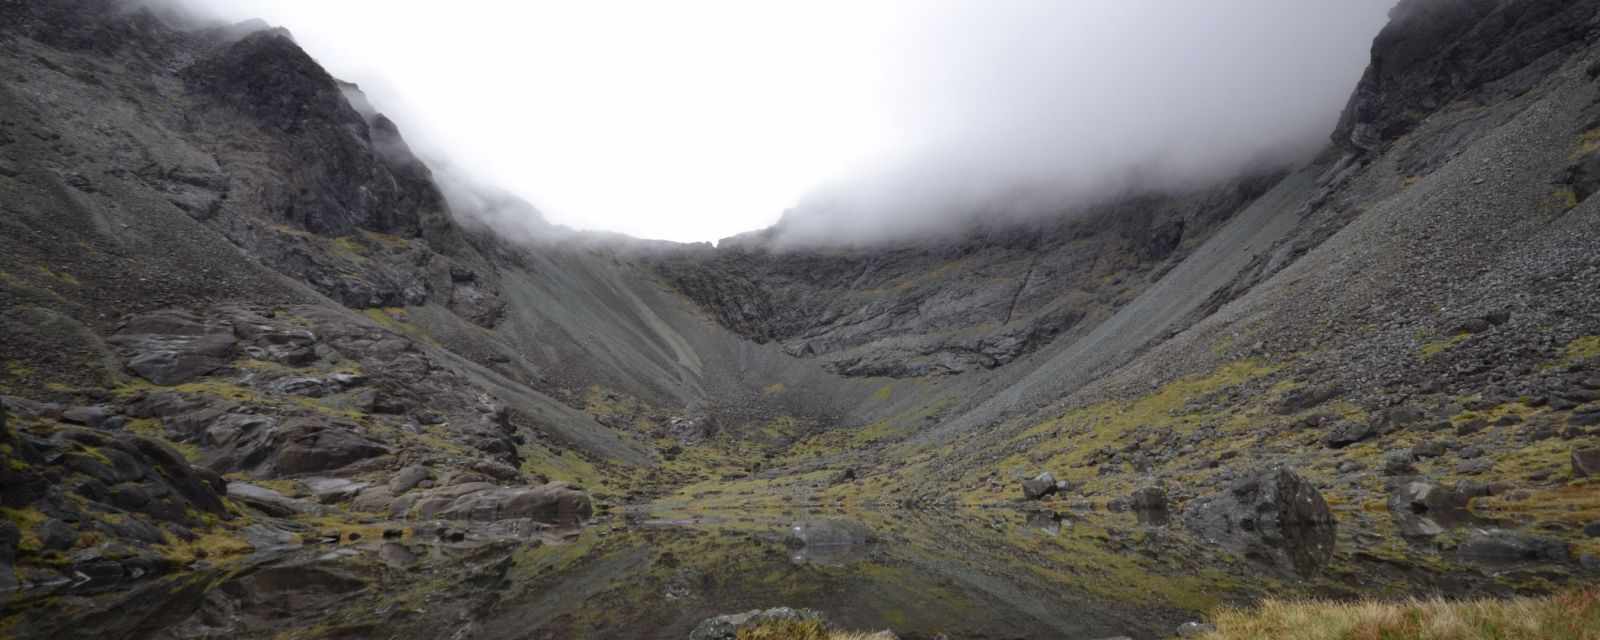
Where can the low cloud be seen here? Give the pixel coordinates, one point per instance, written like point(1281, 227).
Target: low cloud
point(860, 122)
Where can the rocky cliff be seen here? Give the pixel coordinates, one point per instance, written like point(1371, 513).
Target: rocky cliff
point(239, 318)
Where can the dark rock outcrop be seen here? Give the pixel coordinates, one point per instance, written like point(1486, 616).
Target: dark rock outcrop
point(1585, 463)
point(1039, 486)
point(173, 347)
point(1273, 516)
point(1502, 546)
point(1434, 52)
point(1423, 509)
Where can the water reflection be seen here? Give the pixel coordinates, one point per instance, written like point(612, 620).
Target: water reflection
point(991, 573)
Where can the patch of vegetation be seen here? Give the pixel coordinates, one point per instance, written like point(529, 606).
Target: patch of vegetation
point(1568, 616)
point(1066, 444)
point(351, 247)
point(1435, 347)
point(55, 275)
point(211, 546)
point(884, 393)
point(27, 520)
point(16, 369)
point(1588, 142)
point(804, 630)
point(1574, 504)
point(1583, 348)
point(1564, 199)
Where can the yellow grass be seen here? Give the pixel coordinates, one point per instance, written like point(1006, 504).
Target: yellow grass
point(1569, 616)
point(805, 630)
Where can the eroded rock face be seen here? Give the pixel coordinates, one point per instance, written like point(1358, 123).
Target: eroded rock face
point(64, 479)
point(1422, 509)
point(1273, 516)
point(1434, 52)
point(173, 347)
point(900, 311)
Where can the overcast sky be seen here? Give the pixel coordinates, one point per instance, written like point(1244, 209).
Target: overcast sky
point(694, 120)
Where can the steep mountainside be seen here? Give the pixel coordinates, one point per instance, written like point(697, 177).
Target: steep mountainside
point(239, 316)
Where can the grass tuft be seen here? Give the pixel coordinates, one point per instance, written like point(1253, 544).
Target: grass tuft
point(804, 630)
point(1569, 616)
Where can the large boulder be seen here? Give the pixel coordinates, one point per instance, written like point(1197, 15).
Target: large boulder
point(1585, 463)
point(1346, 433)
point(1423, 509)
point(1040, 486)
point(1273, 516)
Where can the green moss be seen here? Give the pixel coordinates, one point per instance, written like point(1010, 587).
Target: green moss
point(883, 393)
point(1588, 142)
point(1436, 347)
point(27, 520)
point(1583, 348)
point(350, 247)
point(18, 370)
point(1106, 424)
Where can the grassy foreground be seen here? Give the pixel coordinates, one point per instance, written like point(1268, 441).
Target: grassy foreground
point(1569, 616)
point(805, 630)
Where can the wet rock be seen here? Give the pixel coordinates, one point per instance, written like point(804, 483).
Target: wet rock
point(1423, 509)
point(816, 533)
point(1273, 516)
point(174, 347)
point(554, 503)
point(268, 501)
point(10, 537)
point(1473, 325)
point(310, 446)
point(55, 535)
point(1040, 486)
point(1400, 417)
point(844, 476)
point(308, 387)
point(98, 416)
point(1499, 545)
point(1585, 463)
point(1297, 400)
point(333, 490)
point(1429, 449)
point(1592, 529)
point(1346, 433)
point(1398, 463)
point(408, 478)
point(1471, 426)
point(1148, 499)
point(373, 500)
point(727, 627)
